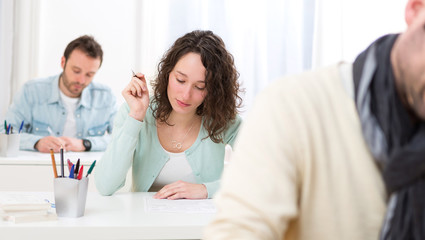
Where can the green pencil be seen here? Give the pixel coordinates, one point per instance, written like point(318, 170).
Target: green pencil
point(91, 168)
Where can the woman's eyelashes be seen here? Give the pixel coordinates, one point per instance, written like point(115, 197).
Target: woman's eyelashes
point(196, 87)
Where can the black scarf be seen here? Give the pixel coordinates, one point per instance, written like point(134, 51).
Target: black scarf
point(396, 142)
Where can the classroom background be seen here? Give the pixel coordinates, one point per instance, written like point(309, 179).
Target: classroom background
point(268, 38)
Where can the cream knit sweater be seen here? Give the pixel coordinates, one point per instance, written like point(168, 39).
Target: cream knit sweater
point(301, 169)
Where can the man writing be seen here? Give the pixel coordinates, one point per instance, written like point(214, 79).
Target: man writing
point(337, 153)
point(68, 109)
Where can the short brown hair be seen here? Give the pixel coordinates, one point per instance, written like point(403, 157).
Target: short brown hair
point(88, 45)
point(221, 81)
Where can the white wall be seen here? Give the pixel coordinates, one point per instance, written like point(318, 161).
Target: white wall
point(134, 34)
point(112, 23)
point(344, 28)
point(6, 44)
point(367, 20)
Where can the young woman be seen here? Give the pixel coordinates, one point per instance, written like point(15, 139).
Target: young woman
point(175, 140)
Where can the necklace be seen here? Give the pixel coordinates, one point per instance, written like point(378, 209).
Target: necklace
point(179, 145)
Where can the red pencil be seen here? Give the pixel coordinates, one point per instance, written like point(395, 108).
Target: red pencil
point(80, 173)
point(69, 164)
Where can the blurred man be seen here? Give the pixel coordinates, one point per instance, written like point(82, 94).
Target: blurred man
point(68, 109)
point(338, 153)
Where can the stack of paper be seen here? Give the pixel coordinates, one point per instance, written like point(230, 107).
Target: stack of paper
point(18, 208)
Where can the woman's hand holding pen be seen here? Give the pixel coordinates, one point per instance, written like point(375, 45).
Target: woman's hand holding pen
point(136, 94)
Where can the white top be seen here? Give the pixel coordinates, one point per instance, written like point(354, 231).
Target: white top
point(177, 168)
point(70, 104)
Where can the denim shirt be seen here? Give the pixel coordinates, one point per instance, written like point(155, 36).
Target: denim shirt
point(39, 105)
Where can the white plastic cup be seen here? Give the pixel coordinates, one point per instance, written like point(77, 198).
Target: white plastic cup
point(70, 196)
point(9, 145)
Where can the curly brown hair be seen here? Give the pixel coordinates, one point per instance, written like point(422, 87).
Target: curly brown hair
point(221, 81)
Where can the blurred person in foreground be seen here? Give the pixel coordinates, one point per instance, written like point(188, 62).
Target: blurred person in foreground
point(336, 153)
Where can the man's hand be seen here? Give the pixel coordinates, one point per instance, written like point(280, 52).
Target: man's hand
point(45, 144)
point(73, 144)
point(180, 189)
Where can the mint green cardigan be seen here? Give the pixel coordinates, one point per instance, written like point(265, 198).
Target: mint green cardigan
point(136, 144)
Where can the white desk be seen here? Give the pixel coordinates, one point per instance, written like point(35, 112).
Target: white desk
point(121, 216)
point(32, 171)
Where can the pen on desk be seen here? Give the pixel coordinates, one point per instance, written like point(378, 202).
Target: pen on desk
point(77, 167)
point(69, 164)
point(62, 163)
point(91, 168)
point(20, 128)
point(53, 163)
point(50, 131)
point(71, 172)
point(80, 173)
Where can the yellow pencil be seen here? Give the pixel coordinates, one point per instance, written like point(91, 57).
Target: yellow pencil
point(53, 163)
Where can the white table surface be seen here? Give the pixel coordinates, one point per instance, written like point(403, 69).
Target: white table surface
point(120, 216)
point(37, 158)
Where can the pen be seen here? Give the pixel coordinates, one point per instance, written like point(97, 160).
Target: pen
point(20, 128)
point(10, 129)
point(50, 131)
point(53, 163)
point(62, 164)
point(71, 172)
point(69, 164)
point(91, 168)
point(5, 126)
point(80, 173)
point(77, 167)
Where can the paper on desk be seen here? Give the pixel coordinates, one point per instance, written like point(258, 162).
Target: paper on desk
point(24, 201)
point(179, 206)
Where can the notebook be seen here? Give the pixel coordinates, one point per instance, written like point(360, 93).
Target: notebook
point(25, 207)
point(23, 202)
point(31, 216)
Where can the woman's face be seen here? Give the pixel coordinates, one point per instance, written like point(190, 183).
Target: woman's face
point(186, 84)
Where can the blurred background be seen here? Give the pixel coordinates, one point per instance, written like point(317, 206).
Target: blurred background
point(268, 38)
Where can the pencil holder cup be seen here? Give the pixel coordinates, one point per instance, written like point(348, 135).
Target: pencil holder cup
point(70, 196)
point(9, 145)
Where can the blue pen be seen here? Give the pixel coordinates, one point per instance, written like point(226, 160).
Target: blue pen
point(20, 128)
point(71, 172)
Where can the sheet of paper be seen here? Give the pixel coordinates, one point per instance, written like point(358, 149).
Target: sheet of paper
point(179, 206)
point(25, 201)
point(24, 197)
